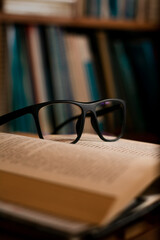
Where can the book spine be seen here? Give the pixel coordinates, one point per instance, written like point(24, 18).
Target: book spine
point(35, 53)
point(17, 75)
point(130, 9)
point(104, 9)
point(27, 80)
point(113, 8)
point(37, 70)
point(142, 58)
point(46, 62)
point(107, 68)
point(141, 10)
point(129, 86)
point(90, 71)
point(5, 99)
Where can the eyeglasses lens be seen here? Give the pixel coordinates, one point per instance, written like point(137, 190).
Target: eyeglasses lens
point(110, 115)
point(58, 121)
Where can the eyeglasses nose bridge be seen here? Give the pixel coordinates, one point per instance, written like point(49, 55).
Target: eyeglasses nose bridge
point(94, 123)
point(79, 124)
point(93, 117)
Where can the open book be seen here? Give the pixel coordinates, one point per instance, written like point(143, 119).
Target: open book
point(92, 181)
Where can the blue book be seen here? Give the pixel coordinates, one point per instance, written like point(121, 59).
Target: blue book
point(59, 70)
point(89, 67)
point(18, 76)
point(58, 64)
point(130, 92)
point(92, 80)
point(141, 54)
point(46, 63)
point(27, 79)
point(130, 9)
point(113, 5)
point(98, 6)
point(65, 74)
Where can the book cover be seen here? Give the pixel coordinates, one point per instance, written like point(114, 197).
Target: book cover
point(133, 221)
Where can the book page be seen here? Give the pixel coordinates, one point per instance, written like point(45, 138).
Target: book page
point(116, 174)
point(91, 165)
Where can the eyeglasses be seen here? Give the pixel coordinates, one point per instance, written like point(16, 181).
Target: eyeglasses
point(64, 120)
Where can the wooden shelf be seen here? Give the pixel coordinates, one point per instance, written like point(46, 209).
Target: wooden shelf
point(79, 22)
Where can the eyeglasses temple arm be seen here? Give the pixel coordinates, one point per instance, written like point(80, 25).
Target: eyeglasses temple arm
point(13, 115)
point(64, 123)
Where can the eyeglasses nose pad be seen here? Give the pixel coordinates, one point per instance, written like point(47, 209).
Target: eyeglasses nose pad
point(94, 124)
point(78, 124)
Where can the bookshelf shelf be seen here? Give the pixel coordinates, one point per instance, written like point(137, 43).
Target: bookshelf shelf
point(80, 22)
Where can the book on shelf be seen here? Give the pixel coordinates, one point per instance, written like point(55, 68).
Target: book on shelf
point(4, 82)
point(141, 10)
point(56, 48)
point(88, 66)
point(84, 83)
point(90, 182)
point(74, 51)
point(126, 77)
point(121, 9)
point(58, 8)
point(153, 11)
point(35, 58)
point(130, 9)
point(146, 73)
point(20, 84)
point(103, 46)
point(60, 76)
point(104, 9)
point(40, 84)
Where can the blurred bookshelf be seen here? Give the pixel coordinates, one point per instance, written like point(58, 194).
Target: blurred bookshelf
point(114, 56)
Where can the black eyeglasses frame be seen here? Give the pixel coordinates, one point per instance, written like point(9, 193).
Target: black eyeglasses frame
point(88, 110)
